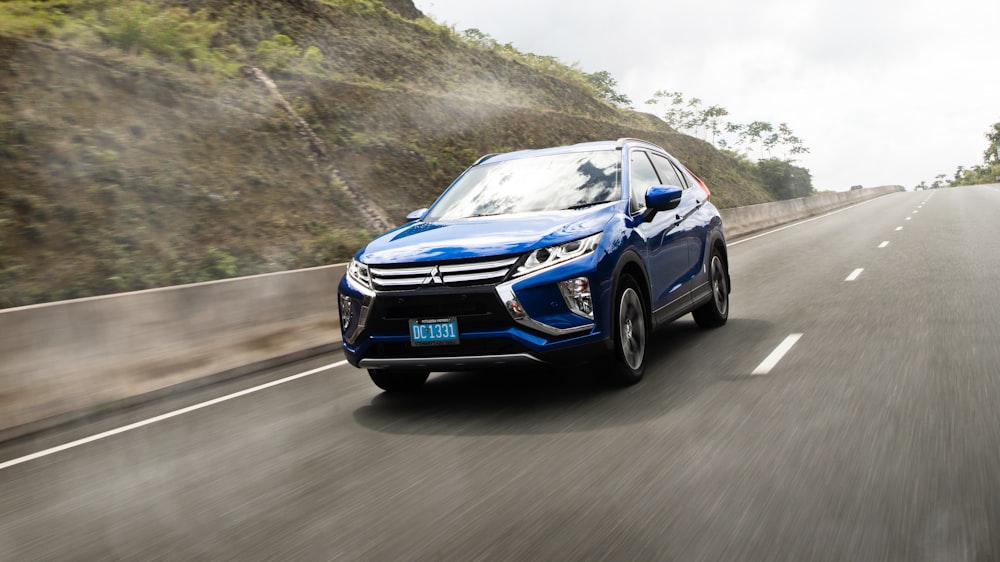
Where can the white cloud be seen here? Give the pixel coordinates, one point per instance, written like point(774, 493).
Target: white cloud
point(881, 91)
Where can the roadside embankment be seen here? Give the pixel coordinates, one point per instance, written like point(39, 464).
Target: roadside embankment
point(65, 360)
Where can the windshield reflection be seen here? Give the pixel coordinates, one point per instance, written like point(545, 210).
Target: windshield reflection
point(524, 185)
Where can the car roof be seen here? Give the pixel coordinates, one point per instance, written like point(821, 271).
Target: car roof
point(567, 149)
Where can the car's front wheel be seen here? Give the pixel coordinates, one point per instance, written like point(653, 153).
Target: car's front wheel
point(398, 380)
point(631, 329)
point(715, 312)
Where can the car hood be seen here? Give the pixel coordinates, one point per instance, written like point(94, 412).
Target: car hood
point(479, 237)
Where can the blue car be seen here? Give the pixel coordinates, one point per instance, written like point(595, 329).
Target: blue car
point(566, 254)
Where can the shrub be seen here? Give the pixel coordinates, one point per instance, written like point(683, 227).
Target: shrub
point(174, 34)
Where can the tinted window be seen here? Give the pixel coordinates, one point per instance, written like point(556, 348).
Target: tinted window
point(641, 177)
point(668, 174)
point(536, 183)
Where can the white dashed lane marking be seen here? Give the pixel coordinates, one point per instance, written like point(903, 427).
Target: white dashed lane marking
point(854, 274)
point(771, 360)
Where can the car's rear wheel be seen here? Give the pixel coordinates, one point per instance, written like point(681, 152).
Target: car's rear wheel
point(398, 380)
point(715, 312)
point(631, 327)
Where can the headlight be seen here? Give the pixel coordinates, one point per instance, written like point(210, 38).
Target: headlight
point(552, 255)
point(359, 272)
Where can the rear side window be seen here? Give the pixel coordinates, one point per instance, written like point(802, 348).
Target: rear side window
point(668, 173)
point(641, 177)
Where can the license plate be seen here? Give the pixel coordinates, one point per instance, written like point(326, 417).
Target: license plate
point(435, 331)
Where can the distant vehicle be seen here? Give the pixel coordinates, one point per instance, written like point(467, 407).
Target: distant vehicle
point(853, 187)
point(559, 255)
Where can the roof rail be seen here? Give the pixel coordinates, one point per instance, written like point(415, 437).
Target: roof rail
point(623, 140)
point(484, 157)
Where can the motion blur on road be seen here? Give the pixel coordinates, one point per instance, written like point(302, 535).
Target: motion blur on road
point(872, 435)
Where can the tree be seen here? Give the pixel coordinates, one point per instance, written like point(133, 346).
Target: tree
point(785, 180)
point(756, 131)
point(740, 130)
point(676, 116)
point(992, 153)
point(789, 139)
point(606, 85)
point(693, 117)
point(712, 116)
point(959, 174)
point(479, 38)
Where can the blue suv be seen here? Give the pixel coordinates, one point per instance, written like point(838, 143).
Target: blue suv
point(539, 257)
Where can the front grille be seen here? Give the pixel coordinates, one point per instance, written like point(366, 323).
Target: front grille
point(478, 310)
point(447, 274)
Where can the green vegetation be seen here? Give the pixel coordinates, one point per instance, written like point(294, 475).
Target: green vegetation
point(782, 179)
point(138, 150)
point(987, 172)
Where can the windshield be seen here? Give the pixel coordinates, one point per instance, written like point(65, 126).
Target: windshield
point(538, 183)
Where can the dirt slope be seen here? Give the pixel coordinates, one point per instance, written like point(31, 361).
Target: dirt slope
point(119, 171)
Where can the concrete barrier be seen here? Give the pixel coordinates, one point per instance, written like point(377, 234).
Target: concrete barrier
point(65, 360)
point(740, 221)
point(68, 359)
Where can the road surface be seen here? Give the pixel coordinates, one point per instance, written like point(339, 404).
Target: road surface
point(847, 411)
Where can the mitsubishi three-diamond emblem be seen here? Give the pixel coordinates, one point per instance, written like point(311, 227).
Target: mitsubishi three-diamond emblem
point(434, 277)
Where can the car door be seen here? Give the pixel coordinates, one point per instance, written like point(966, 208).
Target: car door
point(667, 258)
point(690, 232)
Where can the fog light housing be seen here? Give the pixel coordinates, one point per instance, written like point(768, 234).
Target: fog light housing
point(515, 309)
point(576, 293)
point(346, 311)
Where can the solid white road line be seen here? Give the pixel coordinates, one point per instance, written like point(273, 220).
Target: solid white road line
point(883, 244)
point(167, 416)
point(771, 360)
point(854, 274)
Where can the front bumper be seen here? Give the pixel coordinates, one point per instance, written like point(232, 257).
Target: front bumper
point(375, 325)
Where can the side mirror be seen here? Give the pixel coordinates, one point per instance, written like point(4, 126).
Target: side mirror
point(416, 215)
point(662, 198)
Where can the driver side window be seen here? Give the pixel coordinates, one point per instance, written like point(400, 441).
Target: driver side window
point(642, 176)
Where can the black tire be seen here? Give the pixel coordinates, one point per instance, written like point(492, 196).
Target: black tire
point(715, 312)
point(631, 328)
point(398, 380)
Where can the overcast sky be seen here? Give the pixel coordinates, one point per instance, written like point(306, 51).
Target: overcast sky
point(880, 91)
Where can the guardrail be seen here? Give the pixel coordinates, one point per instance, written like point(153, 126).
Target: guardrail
point(68, 359)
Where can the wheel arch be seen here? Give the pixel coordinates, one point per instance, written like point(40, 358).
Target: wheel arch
point(718, 243)
point(630, 264)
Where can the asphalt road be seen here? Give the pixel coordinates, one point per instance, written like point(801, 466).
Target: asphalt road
point(874, 436)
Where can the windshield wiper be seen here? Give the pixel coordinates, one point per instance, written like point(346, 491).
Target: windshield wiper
point(585, 205)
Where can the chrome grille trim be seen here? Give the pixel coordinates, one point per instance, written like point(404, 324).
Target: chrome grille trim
point(450, 273)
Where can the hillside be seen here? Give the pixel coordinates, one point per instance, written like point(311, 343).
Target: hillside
point(149, 144)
